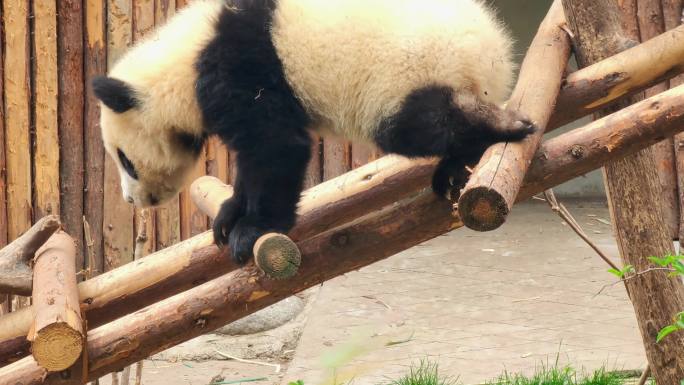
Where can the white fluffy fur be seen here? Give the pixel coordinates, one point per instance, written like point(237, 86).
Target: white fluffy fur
point(350, 62)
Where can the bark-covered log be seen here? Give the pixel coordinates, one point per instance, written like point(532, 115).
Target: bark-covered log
point(16, 275)
point(46, 152)
point(600, 85)
point(492, 189)
point(71, 104)
point(95, 63)
point(651, 24)
point(634, 192)
point(57, 330)
point(624, 132)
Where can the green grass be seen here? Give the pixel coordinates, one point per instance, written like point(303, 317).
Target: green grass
point(427, 373)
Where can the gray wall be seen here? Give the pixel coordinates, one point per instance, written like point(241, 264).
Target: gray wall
point(523, 17)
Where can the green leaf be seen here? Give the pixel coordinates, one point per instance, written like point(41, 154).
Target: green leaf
point(666, 331)
point(628, 269)
point(679, 266)
point(662, 262)
point(616, 273)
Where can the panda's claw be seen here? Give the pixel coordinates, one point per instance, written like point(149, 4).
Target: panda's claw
point(243, 237)
point(224, 222)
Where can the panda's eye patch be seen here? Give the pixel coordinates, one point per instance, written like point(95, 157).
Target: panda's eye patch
point(127, 164)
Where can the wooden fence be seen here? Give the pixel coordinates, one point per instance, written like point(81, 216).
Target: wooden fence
point(53, 160)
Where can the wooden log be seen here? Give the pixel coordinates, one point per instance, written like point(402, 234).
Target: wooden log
point(167, 225)
point(673, 11)
point(336, 157)
point(118, 215)
point(600, 85)
point(192, 220)
point(163, 9)
point(633, 187)
point(492, 189)
point(71, 107)
point(24, 372)
point(46, 152)
point(362, 154)
point(17, 116)
point(143, 25)
point(314, 171)
point(93, 150)
point(16, 275)
point(624, 132)
point(652, 24)
point(57, 332)
point(371, 187)
point(3, 165)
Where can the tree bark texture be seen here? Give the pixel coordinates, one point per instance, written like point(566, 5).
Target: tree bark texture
point(491, 191)
point(634, 198)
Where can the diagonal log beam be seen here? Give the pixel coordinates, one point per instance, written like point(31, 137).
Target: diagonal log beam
point(600, 85)
point(493, 187)
point(415, 219)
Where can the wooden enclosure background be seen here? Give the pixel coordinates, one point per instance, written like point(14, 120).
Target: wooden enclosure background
point(53, 160)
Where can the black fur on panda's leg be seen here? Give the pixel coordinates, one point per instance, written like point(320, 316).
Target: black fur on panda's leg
point(456, 126)
point(271, 178)
point(231, 210)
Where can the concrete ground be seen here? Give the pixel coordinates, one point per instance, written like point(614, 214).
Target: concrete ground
point(475, 303)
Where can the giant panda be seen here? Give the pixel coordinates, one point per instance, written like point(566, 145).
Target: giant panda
point(419, 78)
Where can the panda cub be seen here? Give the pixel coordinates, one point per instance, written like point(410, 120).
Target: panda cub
point(418, 78)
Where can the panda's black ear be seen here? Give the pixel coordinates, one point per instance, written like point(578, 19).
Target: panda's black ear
point(115, 94)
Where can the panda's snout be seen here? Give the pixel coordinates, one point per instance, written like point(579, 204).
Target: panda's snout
point(130, 199)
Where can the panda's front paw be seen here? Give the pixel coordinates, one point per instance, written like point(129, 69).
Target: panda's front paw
point(231, 210)
point(243, 237)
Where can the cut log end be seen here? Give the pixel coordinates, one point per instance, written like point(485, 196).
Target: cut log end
point(483, 209)
point(277, 256)
point(57, 346)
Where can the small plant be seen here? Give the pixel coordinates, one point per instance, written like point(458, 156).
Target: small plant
point(425, 374)
point(675, 263)
point(556, 375)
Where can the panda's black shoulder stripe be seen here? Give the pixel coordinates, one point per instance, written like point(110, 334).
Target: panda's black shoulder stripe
point(241, 86)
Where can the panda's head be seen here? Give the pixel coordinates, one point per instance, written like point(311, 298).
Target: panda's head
point(153, 154)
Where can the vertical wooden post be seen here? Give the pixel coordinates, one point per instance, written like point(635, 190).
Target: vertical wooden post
point(3, 152)
point(672, 13)
point(143, 24)
point(652, 24)
point(634, 191)
point(46, 154)
point(167, 217)
point(71, 103)
point(192, 220)
point(118, 214)
point(17, 116)
point(362, 154)
point(93, 151)
point(314, 172)
point(336, 157)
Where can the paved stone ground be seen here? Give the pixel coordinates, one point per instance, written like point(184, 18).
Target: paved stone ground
point(477, 304)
